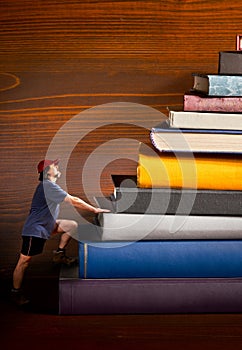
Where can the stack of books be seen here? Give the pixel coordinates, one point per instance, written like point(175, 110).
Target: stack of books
point(172, 242)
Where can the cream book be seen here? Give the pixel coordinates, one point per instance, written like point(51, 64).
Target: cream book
point(205, 120)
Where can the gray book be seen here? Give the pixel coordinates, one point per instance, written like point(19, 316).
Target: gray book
point(128, 198)
point(230, 62)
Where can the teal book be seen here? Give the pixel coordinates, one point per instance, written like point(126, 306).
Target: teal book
point(217, 84)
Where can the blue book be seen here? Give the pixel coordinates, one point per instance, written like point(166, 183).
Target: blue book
point(161, 259)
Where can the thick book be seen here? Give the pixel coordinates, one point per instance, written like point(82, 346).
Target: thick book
point(193, 171)
point(127, 197)
point(230, 62)
point(167, 139)
point(203, 103)
point(218, 84)
point(205, 120)
point(119, 227)
point(142, 227)
point(161, 259)
point(147, 296)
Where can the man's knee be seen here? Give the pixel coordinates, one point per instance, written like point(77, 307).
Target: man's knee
point(24, 261)
point(67, 226)
point(73, 225)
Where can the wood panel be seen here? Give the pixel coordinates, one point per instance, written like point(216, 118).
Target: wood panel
point(173, 34)
point(61, 58)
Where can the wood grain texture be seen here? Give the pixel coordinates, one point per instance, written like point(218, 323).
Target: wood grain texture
point(60, 58)
point(163, 34)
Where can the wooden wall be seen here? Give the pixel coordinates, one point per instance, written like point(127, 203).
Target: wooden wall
point(60, 58)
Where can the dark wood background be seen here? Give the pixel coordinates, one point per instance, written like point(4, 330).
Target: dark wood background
point(61, 58)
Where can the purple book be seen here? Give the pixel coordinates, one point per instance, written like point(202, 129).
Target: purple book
point(147, 296)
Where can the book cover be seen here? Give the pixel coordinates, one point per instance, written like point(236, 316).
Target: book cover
point(118, 227)
point(230, 62)
point(194, 171)
point(167, 139)
point(218, 84)
point(203, 103)
point(147, 296)
point(205, 120)
point(161, 259)
point(127, 197)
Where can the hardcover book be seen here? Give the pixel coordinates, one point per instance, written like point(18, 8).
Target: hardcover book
point(116, 227)
point(230, 62)
point(147, 296)
point(127, 197)
point(167, 139)
point(203, 103)
point(161, 259)
point(205, 120)
point(218, 84)
point(194, 171)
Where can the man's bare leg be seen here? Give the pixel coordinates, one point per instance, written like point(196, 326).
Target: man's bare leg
point(19, 270)
point(18, 275)
point(67, 229)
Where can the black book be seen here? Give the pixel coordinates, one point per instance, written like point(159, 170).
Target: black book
point(128, 198)
point(230, 62)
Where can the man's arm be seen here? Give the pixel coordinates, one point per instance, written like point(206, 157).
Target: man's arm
point(79, 203)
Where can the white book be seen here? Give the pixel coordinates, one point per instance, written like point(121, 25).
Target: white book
point(205, 120)
point(135, 227)
point(167, 139)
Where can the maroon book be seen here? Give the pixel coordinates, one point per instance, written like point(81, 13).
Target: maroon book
point(203, 103)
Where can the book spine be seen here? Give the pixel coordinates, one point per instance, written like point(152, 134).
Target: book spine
point(164, 259)
point(212, 104)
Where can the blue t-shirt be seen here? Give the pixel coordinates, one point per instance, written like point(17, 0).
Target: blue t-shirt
point(44, 210)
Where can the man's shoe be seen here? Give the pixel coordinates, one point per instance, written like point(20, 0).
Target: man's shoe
point(61, 258)
point(18, 298)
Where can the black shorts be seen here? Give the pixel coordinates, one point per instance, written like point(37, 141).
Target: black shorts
point(32, 245)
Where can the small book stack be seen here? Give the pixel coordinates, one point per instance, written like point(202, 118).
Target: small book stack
point(172, 242)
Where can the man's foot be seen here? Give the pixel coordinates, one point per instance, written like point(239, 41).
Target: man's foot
point(18, 298)
point(61, 258)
